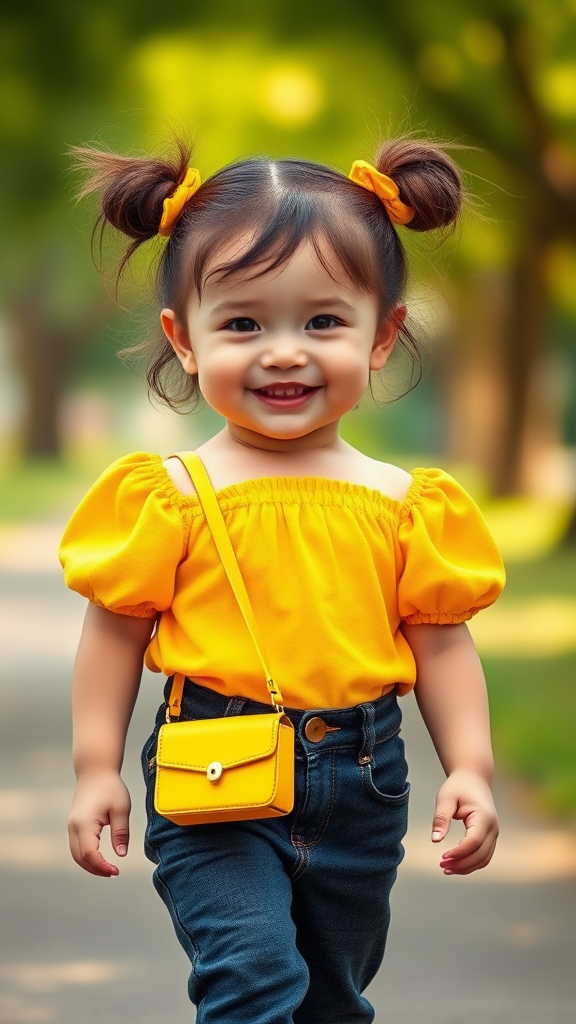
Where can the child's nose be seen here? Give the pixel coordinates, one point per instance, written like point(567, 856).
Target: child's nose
point(285, 351)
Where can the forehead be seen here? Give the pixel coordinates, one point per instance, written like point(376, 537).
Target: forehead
point(314, 264)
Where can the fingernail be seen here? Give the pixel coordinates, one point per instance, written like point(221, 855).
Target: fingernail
point(436, 833)
point(122, 850)
point(446, 872)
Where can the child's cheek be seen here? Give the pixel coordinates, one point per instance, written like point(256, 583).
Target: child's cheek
point(349, 379)
point(221, 383)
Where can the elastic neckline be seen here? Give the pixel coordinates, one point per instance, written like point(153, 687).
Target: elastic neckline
point(275, 486)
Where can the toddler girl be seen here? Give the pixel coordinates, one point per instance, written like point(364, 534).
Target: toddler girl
point(281, 288)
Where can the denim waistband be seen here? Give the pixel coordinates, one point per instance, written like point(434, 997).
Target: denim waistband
point(362, 726)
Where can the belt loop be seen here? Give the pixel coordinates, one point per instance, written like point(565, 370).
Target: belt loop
point(368, 734)
point(234, 706)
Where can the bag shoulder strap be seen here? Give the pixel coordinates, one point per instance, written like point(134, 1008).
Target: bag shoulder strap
point(193, 463)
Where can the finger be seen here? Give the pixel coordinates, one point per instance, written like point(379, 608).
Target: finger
point(476, 835)
point(119, 832)
point(96, 864)
point(84, 846)
point(75, 850)
point(467, 846)
point(443, 813)
point(468, 866)
point(478, 859)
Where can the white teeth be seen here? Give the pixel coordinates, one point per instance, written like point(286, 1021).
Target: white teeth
point(284, 392)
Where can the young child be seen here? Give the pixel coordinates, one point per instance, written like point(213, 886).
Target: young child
point(281, 288)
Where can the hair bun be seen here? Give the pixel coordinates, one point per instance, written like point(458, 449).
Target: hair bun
point(427, 178)
point(133, 189)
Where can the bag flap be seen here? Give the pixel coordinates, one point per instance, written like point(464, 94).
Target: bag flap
point(228, 741)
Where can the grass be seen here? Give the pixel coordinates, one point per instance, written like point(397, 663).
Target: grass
point(533, 706)
point(39, 490)
point(46, 488)
point(533, 700)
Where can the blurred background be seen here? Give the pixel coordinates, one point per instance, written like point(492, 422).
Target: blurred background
point(495, 307)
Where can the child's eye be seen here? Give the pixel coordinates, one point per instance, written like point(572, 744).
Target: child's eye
point(322, 323)
point(243, 325)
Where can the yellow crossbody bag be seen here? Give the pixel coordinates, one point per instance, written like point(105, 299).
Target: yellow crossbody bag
point(224, 769)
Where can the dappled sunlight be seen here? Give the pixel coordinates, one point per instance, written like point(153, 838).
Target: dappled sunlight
point(522, 856)
point(30, 547)
point(27, 984)
point(558, 89)
point(291, 95)
point(34, 838)
point(539, 627)
point(526, 528)
point(237, 93)
point(49, 977)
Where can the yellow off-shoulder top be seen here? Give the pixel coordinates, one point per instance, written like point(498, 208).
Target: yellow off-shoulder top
point(331, 568)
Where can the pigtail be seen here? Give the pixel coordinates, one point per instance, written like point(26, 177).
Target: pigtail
point(132, 190)
point(428, 180)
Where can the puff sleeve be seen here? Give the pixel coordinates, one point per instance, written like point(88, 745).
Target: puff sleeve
point(126, 538)
point(451, 567)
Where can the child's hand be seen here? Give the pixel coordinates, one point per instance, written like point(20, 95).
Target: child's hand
point(466, 797)
point(100, 799)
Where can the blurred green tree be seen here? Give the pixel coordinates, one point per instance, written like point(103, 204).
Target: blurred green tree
point(298, 77)
point(501, 75)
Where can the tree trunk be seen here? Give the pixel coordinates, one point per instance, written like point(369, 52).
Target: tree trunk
point(523, 343)
point(43, 355)
point(44, 351)
point(473, 374)
point(501, 416)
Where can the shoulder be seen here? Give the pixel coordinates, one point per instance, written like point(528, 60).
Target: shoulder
point(431, 486)
point(360, 469)
point(391, 480)
point(135, 471)
point(437, 506)
point(136, 480)
point(179, 475)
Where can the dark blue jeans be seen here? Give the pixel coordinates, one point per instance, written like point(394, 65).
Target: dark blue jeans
point(285, 919)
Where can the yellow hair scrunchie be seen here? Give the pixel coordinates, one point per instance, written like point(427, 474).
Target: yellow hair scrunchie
point(386, 189)
point(174, 204)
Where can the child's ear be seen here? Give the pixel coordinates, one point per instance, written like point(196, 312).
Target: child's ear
point(179, 338)
point(385, 338)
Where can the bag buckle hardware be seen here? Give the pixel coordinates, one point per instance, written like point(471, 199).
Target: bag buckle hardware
point(274, 692)
point(214, 771)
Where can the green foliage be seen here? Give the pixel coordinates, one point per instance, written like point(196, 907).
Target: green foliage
point(324, 80)
point(533, 705)
point(40, 489)
point(533, 701)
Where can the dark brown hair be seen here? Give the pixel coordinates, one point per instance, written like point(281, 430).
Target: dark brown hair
point(283, 203)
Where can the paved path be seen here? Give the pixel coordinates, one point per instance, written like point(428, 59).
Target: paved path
point(497, 948)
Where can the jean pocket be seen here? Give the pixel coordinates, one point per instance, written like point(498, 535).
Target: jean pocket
point(385, 777)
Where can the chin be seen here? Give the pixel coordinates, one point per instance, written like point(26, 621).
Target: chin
point(284, 435)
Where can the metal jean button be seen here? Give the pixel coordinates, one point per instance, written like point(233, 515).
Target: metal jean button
point(315, 729)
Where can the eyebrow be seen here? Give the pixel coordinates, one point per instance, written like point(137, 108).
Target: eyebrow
point(230, 306)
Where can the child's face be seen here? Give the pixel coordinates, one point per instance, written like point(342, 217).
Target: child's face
point(286, 354)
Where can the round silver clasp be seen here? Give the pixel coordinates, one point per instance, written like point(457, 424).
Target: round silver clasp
point(214, 771)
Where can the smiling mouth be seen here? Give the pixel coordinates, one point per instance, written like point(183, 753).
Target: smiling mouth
point(285, 390)
point(285, 396)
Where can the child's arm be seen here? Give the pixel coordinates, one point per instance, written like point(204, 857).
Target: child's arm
point(451, 694)
point(106, 679)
